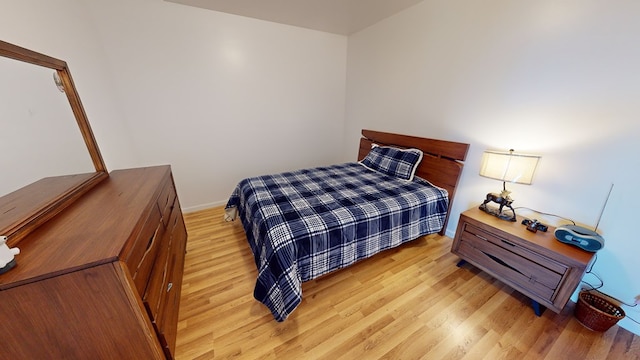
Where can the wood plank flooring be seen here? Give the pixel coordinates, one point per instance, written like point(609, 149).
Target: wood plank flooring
point(407, 303)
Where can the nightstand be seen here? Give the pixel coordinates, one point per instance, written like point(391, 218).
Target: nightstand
point(535, 264)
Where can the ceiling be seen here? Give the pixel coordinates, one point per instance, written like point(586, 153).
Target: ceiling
point(342, 17)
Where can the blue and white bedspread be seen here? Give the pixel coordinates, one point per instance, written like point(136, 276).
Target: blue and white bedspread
point(306, 223)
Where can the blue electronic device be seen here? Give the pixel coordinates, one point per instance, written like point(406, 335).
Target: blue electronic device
point(583, 238)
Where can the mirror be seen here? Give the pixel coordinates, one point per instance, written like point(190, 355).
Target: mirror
point(47, 160)
point(35, 116)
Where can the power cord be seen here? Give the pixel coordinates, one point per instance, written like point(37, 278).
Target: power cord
point(547, 214)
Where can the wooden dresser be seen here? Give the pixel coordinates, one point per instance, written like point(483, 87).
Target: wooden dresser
point(535, 264)
point(102, 279)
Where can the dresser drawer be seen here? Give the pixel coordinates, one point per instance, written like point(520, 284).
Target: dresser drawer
point(166, 201)
point(168, 323)
point(162, 280)
point(143, 253)
point(154, 293)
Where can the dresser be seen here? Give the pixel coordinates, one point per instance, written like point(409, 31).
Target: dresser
point(535, 264)
point(101, 279)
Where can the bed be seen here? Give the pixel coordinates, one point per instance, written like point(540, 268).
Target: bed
point(306, 223)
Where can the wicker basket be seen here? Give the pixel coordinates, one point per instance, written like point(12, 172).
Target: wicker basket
point(597, 313)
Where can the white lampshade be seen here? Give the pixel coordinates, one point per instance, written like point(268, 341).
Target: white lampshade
point(509, 166)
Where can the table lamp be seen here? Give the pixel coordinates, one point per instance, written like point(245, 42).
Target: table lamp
point(506, 167)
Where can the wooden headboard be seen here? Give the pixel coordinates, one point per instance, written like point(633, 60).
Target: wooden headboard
point(441, 165)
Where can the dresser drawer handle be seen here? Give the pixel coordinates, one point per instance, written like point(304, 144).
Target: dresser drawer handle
point(169, 286)
point(508, 243)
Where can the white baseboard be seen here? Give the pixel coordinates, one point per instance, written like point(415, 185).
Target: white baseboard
point(450, 233)
point(195, 208)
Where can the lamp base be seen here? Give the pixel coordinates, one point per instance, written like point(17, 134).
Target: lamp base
point(503, 201)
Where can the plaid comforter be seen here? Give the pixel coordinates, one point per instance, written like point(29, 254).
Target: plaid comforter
point(306, 223)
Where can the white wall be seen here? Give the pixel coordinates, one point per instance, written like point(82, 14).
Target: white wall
point(222, 97)
point(555, 78)
point(61, 29)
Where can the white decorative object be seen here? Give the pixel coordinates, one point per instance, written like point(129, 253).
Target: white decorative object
point(7, 255)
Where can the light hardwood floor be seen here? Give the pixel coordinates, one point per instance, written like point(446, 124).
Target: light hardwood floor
point(407, 303)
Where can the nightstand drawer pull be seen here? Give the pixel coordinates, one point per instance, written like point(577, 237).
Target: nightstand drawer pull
point(481, 237)
point(499, 261)
point(508, 243)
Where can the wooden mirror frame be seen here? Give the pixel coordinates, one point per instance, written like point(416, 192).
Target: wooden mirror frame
point(25, 209)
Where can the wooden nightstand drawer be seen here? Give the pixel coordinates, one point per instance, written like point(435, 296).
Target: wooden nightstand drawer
point(515, 247)
point(509, 266)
